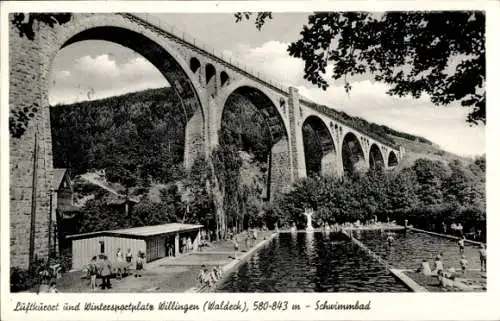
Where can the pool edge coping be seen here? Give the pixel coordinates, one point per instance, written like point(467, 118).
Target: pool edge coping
point(397, 273)
point(406, 280)
point(229, 267)
point(444, 235)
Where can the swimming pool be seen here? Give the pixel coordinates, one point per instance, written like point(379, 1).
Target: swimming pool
point(410, 248)
point(310, 262)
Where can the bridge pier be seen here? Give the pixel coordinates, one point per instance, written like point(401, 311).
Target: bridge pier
point(281, 173)
point(30, 155)
point(329, 165)
point(296, 150)
point(194, 141)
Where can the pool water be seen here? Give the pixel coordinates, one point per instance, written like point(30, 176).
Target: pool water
point(410, 248)
point(310, 262)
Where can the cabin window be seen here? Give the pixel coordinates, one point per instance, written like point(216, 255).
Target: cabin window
point(101, 245)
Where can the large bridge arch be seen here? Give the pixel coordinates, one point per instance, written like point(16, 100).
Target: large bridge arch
point(217, 103)
point(353, 158)
point(319, 147)
point(266, 118)
point(175, 68)
point(375, 157)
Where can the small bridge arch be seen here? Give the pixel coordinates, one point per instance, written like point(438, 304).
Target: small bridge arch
point(375, 156)
point(319, 147)
point(392, 160)
point(353, 158)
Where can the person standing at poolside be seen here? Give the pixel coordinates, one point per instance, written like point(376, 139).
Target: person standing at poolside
point(482, 257)
point(438, 266)
point(106, 269)
point(236, 247)
point(128, 256)
point(139, 264)
point(461, 245)
point(92, 270)
point(201, 275)
point(464, 264)
point(119, 255)
point(44, 279)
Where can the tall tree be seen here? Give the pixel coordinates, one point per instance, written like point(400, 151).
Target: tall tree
point(441, 54)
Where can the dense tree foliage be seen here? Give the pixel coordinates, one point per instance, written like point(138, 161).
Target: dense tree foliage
point(137, 138)
point(427, 194)
point(98, 215)
point(441, 54)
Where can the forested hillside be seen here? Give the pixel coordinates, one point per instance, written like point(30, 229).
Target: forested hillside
point(137, 138)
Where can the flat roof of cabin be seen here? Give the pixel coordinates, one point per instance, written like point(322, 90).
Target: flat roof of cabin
point(141, 232)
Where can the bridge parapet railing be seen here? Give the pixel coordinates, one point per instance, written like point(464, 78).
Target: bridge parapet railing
point(189, 39)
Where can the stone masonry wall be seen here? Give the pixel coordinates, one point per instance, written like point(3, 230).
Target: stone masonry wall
point(28, 71)
point(281, 173)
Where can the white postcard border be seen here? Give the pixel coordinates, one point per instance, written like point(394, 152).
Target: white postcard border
point(410, 306)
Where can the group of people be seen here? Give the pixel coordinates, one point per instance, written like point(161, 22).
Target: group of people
point(47, 280)
point(187, 245)
point(447, 277)
point(100, 266)
point(458, 230)
point(208, 278)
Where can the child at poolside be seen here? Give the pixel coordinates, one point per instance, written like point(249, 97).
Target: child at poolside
point(139, 264)
point(53, 288)
point(201, 275)
point(450, 274)
point(119, 255)
point(207, 279)
point(390, 240)
point(482, 257)
point(438, 266)
point(464, 263)
point(461, 245)
point(219, 271)
point(213, 275)
point(128, 257)
point(425, 268)
point(444, 281)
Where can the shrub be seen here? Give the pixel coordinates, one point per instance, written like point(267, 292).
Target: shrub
point(21, 280)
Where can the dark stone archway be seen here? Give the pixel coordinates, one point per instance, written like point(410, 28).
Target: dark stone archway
point(252, 122)
point(319, 149)
point(392, 159)
point(375, 158)
point(353, 158)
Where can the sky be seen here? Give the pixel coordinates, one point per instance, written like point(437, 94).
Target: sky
point(97, 69)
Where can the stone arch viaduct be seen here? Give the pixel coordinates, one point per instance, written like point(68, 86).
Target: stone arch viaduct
point(204, 81)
